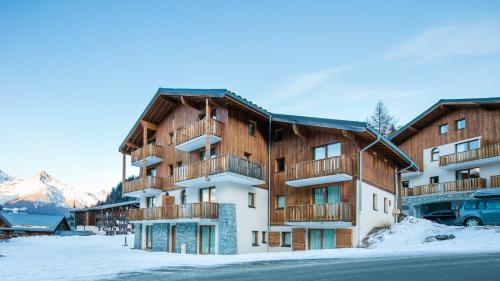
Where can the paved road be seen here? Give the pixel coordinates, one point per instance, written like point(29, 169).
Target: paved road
point(483, 267)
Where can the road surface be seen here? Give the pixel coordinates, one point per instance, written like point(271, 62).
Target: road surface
point(482, 267)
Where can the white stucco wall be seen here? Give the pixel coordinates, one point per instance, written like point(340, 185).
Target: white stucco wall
point(370, 218)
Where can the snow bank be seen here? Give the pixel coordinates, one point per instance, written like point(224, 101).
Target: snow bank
point(95, 257)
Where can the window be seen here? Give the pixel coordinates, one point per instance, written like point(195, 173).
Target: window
point(434, 180)
point(171, 169)
point(278, 134)
point(386, 205)
point(374, 201)
point(252, 127)
point(406, 184)
point(280, 202)
point(466, 146)
point(435, 154)
point(207, 194)
point(150, 202)
point(494, 204)
point(470, 205)
point(183, 196)
point(326, 151)
point(443, 129)
point(251, 200)
point(247, 155)
point(255, 238)
point(264, 238)
point(286, 239)
point(151, 172)
point(179, 164)
point(280, 165)
point(171, 138)
point(467, 174)
point(212, 154)
point(460, 124)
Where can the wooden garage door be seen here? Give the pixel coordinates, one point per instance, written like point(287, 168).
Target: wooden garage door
point(299, 239)
point(344, 238)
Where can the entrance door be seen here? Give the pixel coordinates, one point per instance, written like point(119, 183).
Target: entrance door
point(207, 239)
point(149, 236)
point(174, 232)
point(314, 239)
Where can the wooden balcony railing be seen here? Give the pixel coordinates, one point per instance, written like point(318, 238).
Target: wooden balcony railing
point(197, 129)
point(495, 181)
point(451, 186)
point(220, 164)
point(318, 212)
point(143, 183)
point(202, 210)
point(318, 168)
point(470, 155)
point(150, 149)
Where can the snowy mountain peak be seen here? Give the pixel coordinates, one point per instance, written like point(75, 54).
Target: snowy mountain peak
point(43, 189)
point(4, 177)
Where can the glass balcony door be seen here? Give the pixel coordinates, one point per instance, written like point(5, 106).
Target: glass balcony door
point(207, 239)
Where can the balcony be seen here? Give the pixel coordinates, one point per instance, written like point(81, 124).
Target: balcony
point(224, 168)
point(471, 158)
point(193, 137)
point(317, 214)
point(446, 187)
point(495, 181)
point(140, 187)
point(334, 169)
point(154, 155)
point(184, 212)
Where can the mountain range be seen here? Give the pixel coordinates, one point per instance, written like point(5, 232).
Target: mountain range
point(43, 194)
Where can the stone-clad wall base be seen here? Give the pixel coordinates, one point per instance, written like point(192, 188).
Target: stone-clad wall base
point(137, 236)
point(410, 202)
point(227, 230)
point(186, 233)
point(160, 237)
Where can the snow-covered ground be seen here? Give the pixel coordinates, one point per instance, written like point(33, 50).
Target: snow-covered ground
point(93, 257)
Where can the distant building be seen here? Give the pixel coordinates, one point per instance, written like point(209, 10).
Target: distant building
point(16, 225)
point(110, 218)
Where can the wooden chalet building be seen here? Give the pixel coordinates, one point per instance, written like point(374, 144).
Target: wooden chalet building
point(220, 175)
point(19, 225)
point(456, 144)
point(109, 218)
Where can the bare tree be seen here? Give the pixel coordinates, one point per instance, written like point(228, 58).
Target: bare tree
point(382, 121)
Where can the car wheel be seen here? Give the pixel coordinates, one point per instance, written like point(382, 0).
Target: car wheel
point(469, 222)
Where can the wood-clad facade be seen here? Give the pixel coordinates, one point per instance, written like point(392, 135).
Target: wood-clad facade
point(268, 168)
point(456, 144)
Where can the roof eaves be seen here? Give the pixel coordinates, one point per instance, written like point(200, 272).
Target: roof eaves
point(394, 147)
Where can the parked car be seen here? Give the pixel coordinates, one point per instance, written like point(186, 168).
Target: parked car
point(447, 217)
point(479, 212)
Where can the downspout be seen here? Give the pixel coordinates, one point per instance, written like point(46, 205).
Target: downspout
point(396, 201)
point(269, 182)
point(360, 180)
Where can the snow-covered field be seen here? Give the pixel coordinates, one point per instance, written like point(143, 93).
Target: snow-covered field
point(94, 257)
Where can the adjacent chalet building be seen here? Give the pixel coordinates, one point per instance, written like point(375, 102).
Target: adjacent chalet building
point(110, 218)
point(16, 225)
point(220, 175)
point(456, 144)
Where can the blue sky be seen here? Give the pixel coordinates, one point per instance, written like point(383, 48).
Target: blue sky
point(75, 75)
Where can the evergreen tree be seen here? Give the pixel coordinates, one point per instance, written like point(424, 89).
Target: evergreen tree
point(382, 121)
point(115, 195)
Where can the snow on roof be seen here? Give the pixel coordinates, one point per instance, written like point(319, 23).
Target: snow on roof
point(31, 222)
point(107, 206)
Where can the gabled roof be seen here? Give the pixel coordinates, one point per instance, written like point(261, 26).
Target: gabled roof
point(353, 126)
point(26, 222)
point(437, 110)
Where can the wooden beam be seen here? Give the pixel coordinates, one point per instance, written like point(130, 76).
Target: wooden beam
point(413, 129)
point(124, 171)
point(299, 130)
point(144, 147)
point(149, 125)
point(348, 135)
point(187, 102)
point(133, 145)
point(208, 119)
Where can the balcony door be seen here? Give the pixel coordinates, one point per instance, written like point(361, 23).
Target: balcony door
point(467, 174)
point(326, 195)
point(207, 239)
point(207, 194)
point(466, 146)
point(321, 239)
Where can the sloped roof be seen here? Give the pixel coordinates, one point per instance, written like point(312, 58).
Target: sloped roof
point(108, 206)
point(436, 110)
point(28, 222)
point(354, 126)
